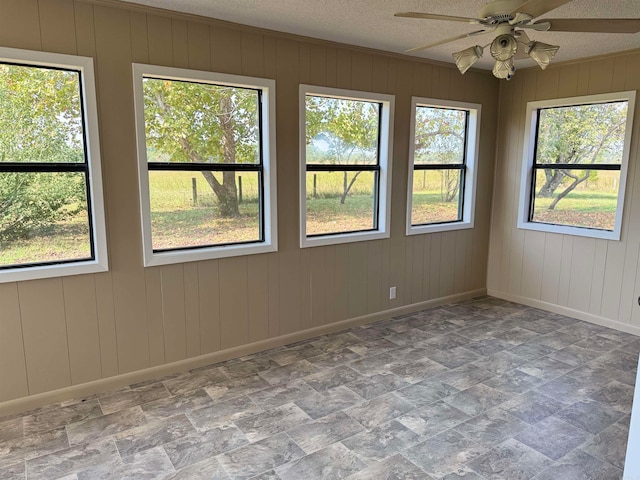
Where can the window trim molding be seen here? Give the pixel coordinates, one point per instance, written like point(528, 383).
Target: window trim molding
point(95, 201)
point(471, 163)
point(528, 160)
point(385, 156)
point(268, 138)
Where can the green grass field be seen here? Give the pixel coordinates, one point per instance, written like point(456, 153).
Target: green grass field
point(177, 222)
point(580, 208)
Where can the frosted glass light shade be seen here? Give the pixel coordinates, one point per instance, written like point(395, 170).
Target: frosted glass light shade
point(467, 57)
point(504, 69)
point(542, 53)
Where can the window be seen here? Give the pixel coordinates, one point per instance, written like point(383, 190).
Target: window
point(345, 165)
point(443, 155)
point(51, 211)
point(206, 150)
point(575, 165)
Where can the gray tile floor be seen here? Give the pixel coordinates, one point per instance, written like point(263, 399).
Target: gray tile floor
point(483, 389)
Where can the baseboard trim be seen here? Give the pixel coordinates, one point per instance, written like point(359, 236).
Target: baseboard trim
point(569, 312)
point(31, 402)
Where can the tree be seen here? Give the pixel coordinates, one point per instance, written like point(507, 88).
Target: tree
point(578, 135)
point(206, 124)
point(40, 121)
point(439, 139)
point(347, 130)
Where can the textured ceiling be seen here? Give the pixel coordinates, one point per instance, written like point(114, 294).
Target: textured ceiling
point(370, 23)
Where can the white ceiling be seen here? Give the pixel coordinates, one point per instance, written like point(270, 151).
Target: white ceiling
point(370, 23)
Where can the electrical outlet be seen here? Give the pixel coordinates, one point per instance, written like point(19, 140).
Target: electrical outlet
point(392, 293)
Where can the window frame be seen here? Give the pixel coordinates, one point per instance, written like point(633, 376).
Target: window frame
point(469, 169)
point(383, 167)
point(528, 164)
point(267, 138)
point(91, 169)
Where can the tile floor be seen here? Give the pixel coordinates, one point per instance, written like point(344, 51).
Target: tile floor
point(483, 389)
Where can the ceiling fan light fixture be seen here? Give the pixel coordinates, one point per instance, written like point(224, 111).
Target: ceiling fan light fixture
point(504, 69)
point(467, 57)
point(504, 47)
point(542, 53)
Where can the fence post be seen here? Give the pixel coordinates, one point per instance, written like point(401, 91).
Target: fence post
point(424, 178)
point(315, 185)
point(194, 191)
point(239, 189)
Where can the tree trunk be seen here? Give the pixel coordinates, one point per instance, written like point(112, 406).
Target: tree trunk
point(346, 186)
point(226, 192)
point(553, 180)
point(576, 181)
point(453, 185)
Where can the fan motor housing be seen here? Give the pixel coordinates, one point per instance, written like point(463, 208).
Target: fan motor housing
point(497, 8)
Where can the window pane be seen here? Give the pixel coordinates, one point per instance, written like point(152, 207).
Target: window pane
point(188, 122)
point(339, 202)
point(436, 196)
point(40, 115)
point(440, 135)
point(43, 218)
point(582, 134)
point(186, 211)
point(580, 198)
point(341, 132)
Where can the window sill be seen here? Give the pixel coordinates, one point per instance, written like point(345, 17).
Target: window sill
point(567, 230)
point(340, 238)
point(207, 253)
point(438, 227)
point(49, 271)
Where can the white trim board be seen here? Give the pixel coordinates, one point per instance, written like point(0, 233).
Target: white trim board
point(569, 312)
point(24, 404)
point(632, 459)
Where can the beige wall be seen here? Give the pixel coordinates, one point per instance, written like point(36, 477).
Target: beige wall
point(60, 332)
point(597, 280)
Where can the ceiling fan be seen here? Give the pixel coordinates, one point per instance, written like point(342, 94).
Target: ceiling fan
point(509, 19)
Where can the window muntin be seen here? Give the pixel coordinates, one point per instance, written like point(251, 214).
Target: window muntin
point(344, 165)
point(205, 148)
point(444, 139)
point(51, 214)
point(575, 165)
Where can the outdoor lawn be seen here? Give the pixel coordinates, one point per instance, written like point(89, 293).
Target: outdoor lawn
point(177, 222)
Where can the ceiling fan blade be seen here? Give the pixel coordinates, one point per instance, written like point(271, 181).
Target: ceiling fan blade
point(433, 16)
point(523, 40)
point(595, 25)
point(442, 42)
point(539, 27)
point(535, 8)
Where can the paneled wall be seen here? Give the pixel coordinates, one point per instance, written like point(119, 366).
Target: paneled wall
point(598, 280)
point(60, 332)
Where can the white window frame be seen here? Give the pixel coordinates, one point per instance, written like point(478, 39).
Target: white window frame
point(528, 160)
point(385, 156)
point(190, 254)
point(472, 146)
point(100, 262)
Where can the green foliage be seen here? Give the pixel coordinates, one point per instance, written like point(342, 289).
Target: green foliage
point(341, 131)
point(32, 201)
point(197, 122)
point(582, 134)
point(40, 121)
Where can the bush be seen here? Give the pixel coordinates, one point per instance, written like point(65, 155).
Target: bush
point(33, 201)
